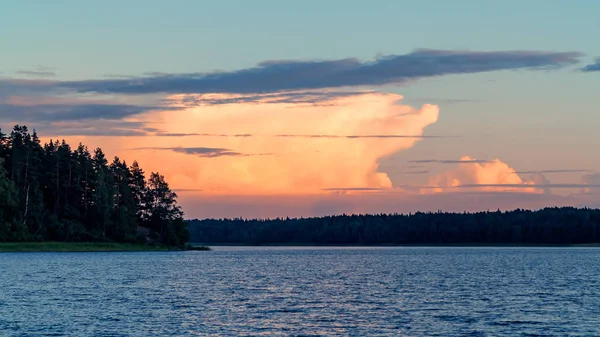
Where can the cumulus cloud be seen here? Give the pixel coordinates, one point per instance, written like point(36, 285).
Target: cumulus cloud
point(590, 183)
point(275, 76)
point(492, 175)
point(299, 165)
point(592, 67)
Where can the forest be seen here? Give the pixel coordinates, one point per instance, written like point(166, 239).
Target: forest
point(53, 192)
point(556, 225)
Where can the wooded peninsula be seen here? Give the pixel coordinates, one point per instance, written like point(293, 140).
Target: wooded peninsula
point(549, 226)
point(52, 192)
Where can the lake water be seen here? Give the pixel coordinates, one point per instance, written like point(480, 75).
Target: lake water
point(286, 291)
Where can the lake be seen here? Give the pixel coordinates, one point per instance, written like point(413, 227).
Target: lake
point(303, 291)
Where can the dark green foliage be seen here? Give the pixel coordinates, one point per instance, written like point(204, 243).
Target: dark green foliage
point(53, 192)
point(565, 225)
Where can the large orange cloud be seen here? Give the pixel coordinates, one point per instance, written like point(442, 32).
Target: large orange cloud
point(277, 165)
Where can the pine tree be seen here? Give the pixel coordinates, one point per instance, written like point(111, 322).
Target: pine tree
point(124, 213)
point(52, 192)
point(164, 213)
point(8, 204)
point(102, 195)
point(138, 188)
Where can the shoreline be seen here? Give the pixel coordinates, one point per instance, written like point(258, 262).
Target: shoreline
point(465, 245)
point(83, 247)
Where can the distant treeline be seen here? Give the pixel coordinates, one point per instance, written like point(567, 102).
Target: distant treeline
point(54, 192)
point(548, 226)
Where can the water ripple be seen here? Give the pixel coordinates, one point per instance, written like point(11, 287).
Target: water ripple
point(244, 291)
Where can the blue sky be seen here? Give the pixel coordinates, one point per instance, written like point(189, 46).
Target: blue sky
point(95, 38)
point(530, 119)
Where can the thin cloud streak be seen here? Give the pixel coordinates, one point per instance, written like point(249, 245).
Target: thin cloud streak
point(549, 171)
point(204, 152)
point(161, 134)
point(523, 186)
point(439, 161)
point(39, 73)
point(353, 189)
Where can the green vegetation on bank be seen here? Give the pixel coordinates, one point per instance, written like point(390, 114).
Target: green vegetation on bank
point(549, 226)
point(52, 192)
point(51, 246)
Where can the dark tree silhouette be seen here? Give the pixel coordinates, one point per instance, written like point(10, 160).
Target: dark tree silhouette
point(53, 192)
point(565, 225)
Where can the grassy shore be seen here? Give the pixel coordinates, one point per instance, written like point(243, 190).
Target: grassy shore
point(86, 247)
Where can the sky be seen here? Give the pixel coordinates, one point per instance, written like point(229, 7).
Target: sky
point(307, 108)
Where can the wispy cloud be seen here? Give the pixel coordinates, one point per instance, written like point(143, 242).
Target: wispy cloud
point(166, 134)
point(441, 101)
point(439, 161)
point(349, 189)
point(293, 97)
point(360, 136)
point(37, 73)
point(524, 186)
point(194, 134)
point(205, 152)
point(276, 76)
point(415, 172)
point(67, 112)
point(549, 171)
point(592, 67)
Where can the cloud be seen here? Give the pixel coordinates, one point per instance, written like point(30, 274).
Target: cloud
point(298, 165)
point(167, 134)
point(528, 186)
point(590, 183)
point(415, 172)
point(592, 67)
point(442, 101)
point(37, 73)
point(352, 189)
point(464, 160)
point(549, 171)
point(488, 175)
point(292, 97)
point(358, 136)
point(195, 134)
point(205, 205)
point(203, 152)
point(71, 112)
point(99, 128)
point(276, 76)
point(23, 87)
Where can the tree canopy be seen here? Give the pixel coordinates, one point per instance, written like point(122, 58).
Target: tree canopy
point(55, 192)
point(565, 225)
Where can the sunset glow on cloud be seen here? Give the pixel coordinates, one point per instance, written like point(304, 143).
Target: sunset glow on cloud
point(279, 148)
point(492, 176)
point(317, 136)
